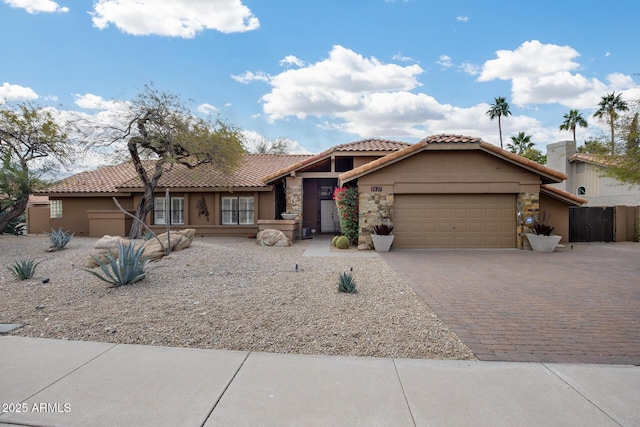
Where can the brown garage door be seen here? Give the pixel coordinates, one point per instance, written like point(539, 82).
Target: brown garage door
point(454, 221)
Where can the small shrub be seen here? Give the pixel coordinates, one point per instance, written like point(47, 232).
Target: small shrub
point(17, 226)
point(346, 283)
point(542, 228)
point(333, 241)
point(24, 269)
point(342, 242)
point(129, 267)
point(59, 239)
point(383, 229)
point(148, 236)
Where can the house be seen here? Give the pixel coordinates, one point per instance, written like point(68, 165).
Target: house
point(445, 191)
point(586, 177)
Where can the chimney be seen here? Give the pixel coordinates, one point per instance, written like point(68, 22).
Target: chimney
point(558, 155)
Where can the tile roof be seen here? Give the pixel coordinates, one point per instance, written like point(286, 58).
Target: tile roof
point(122, 177)
point(365, 145)
point(598, 159)
point(450, 140)
point(564, 195)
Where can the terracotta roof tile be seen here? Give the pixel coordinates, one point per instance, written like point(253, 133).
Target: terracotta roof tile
point(450, 139)
point(578, 201)
point(597, 159)
point(111, 179)
point(365, 145)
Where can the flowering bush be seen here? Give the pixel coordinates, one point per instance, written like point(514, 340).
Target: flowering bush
point(347, 200)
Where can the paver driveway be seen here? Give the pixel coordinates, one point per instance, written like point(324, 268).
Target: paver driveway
point(575, 306)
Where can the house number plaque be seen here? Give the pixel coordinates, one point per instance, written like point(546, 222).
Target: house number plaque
point(376, 189)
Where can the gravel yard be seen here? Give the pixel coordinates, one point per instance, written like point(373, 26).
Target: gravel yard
point(225, 293)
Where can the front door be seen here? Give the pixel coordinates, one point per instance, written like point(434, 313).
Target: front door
point(329, 222)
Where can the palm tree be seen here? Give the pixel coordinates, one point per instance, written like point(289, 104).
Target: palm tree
point(609, 106)
point(571, 120)
point(499, 109)
point(521, 144)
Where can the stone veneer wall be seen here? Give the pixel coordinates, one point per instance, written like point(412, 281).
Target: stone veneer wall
point(375, 209)
point(528, 205)
point(294, 199)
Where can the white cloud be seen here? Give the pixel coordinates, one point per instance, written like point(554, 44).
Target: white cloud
point(207, 109)
point(470, 68)
point(174, 18)
point(462, 18)
point(253, 139)
point(9, 92)
point(445, 61)
point(292, 60)
point(35, 6)
point(250, 76)
point(90, 101)
point(402, 58)
point(336, 84)
point(543, 74)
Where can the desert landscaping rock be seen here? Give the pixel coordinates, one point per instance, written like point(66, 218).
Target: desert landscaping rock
point(272, 237)
point(225, 293)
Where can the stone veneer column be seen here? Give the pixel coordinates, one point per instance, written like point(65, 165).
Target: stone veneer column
point(528, 205)
point(294, 198)
point(374, 209)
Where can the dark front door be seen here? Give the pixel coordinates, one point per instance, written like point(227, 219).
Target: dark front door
point(595, 224)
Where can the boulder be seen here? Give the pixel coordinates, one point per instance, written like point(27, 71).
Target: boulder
point(364, 247)
point(180, 239)
point(271, 237)
point(105, 245)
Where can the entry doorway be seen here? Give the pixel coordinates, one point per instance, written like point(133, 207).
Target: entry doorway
point(329, 222)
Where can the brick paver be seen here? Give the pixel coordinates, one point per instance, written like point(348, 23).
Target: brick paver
point(575, 306)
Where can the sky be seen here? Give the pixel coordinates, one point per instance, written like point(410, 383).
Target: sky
point(325, 73)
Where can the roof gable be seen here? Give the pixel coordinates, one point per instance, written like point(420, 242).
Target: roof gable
point(365, 146)
point(454, 142)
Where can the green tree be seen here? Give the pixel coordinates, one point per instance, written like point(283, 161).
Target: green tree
point(593, 146)
point(28, 135)
point(159, 126)
point(572, 120)
point(610, 105)
point(498, 109)
point(520, 143)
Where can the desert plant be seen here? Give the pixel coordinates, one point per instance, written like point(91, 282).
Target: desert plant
point(346, 283)
point(342, 242)
point(383, 229)
point(24, 269)
point(541, 228)
point(129, 267)
point(17, 226)
point(334, 240)
point(59, 239)
point(148, 236)
point(347, 203)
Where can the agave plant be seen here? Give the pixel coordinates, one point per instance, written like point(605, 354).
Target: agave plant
point(24, 269)
point(129, 267)
point(59, 239)
point(346, 283)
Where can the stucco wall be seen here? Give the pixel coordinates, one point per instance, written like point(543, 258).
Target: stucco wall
point(559, 218)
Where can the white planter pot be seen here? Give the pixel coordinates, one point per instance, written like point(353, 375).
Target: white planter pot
point(543, 243)
point(289, 216)
point(382, 243)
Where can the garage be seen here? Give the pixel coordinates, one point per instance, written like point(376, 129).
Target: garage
point(455, 221)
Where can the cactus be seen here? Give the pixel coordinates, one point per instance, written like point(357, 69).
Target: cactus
point(346, 283)
point(24, 269)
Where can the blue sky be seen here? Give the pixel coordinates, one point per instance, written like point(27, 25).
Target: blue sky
point(331, 72)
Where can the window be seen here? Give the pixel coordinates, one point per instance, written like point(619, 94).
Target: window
point(581, 191)
point(177, 210)
point(237, 210)
point(55, 209)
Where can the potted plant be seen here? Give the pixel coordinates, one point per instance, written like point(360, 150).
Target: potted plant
point(289, 215)
point(541, 240)
point(382, 237)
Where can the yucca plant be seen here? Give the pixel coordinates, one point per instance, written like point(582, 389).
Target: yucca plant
point(129, 267)
point(346, 283)
point(24, 269)
point(59, 239)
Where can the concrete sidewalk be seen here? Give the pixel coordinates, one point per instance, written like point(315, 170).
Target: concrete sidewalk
point(48, 382)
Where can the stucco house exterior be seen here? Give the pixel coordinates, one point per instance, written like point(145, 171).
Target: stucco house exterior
point(447, 191)
point(586, 177)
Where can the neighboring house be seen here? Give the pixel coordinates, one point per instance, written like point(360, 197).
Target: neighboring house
point(586, 177)
point(445, 191)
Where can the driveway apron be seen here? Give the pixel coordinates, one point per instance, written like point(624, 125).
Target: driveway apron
point(581, 305)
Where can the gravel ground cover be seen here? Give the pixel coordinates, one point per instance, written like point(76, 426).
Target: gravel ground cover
point(225, 293)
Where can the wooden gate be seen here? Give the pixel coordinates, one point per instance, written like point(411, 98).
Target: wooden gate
point(596, 224)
